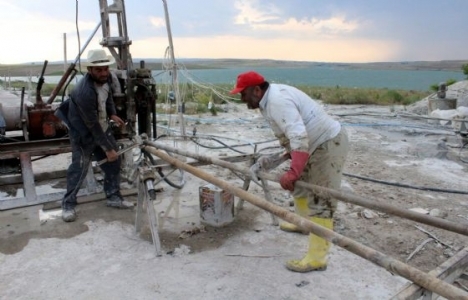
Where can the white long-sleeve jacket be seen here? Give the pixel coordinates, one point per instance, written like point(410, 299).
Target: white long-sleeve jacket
point(297, 120)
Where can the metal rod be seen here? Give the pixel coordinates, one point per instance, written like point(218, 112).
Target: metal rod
point(368, 203)
point(67, 73)
point(174, 71)
point(120, 152)
point(266, 190)
point(22, 105)
point(65, 55)
point(39, 85)
point(394, 266)
point(23, 121)
point(87, 42)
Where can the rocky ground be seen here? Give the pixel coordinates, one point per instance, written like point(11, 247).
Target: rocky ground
point(400, 150)
point(100, 257)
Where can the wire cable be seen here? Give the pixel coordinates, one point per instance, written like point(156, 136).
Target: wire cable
point(423, 188)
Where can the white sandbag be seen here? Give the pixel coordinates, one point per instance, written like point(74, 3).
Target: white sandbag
point(462, 111)
point(448, 115)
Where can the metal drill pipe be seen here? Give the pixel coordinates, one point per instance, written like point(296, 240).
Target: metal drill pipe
point(71, 67)
point(394, 266)
point(103, 161)
point(327, 192)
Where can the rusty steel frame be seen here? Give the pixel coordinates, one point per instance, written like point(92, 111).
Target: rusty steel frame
point(25, 151)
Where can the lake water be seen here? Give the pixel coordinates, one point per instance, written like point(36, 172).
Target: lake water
point(315, 76)
point(326, 76)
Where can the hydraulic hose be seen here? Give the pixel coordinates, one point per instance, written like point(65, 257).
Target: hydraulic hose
point(423, 188)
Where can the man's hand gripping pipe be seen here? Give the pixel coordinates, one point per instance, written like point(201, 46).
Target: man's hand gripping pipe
point(137, 142)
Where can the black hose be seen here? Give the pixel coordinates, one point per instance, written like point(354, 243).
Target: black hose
point(73, 74)
point(160, 172)
point(346, 174)
point(407, 185)
point(194, 139)
point(216, 140)
point(41, 157)
point(21, 105)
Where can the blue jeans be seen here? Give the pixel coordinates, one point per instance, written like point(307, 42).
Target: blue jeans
point(81, 159)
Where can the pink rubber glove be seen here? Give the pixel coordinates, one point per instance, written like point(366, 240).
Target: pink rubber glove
point(298, 162)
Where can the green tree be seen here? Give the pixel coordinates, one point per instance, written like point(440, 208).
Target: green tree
point(465, 69)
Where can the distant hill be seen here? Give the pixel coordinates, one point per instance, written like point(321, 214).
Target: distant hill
point(56, 68)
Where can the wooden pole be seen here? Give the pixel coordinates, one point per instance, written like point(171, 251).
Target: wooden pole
point(326, 192)
point(394, 266)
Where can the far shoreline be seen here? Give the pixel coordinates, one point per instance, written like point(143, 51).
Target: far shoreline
point(56, 68)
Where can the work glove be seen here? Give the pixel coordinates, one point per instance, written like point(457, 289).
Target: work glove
point(298, 162)
point(266, 163)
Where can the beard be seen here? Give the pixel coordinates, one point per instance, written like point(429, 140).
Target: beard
point(254, 102)
point(99, 80)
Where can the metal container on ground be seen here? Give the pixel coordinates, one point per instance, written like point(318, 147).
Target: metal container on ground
point(216, 206)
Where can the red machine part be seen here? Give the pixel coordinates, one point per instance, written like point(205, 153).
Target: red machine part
point(43, 124)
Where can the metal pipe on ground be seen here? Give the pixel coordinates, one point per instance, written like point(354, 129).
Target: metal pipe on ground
point(326, 192)
point(394, 266)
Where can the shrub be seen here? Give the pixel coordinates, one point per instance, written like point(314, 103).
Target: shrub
point(435, 87)
point(465, 70)
point(393, 97)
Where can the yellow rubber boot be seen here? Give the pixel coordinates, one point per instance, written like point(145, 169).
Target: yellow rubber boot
point(316, 257)
point(301, 208)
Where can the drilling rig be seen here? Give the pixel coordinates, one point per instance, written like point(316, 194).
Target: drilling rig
point(39, 133)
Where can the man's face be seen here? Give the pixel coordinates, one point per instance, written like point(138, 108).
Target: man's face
point(252, 96)
point(99, 74)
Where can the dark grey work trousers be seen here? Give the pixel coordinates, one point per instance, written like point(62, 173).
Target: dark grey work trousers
point(82, 153)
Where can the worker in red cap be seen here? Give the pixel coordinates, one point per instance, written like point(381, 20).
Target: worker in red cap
point(317, 145)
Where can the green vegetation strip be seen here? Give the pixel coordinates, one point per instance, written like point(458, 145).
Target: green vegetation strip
point(328, 95)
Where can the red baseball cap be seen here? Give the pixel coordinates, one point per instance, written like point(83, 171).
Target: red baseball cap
point(247, 79)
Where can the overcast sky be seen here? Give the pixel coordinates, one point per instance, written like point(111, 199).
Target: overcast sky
point(303, 30)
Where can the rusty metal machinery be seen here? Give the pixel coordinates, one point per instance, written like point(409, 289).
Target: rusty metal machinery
point(24, 126)
point(135, 97)
point(36, 122)
point(43, 124)
point(144, 92)
point(135, 101)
